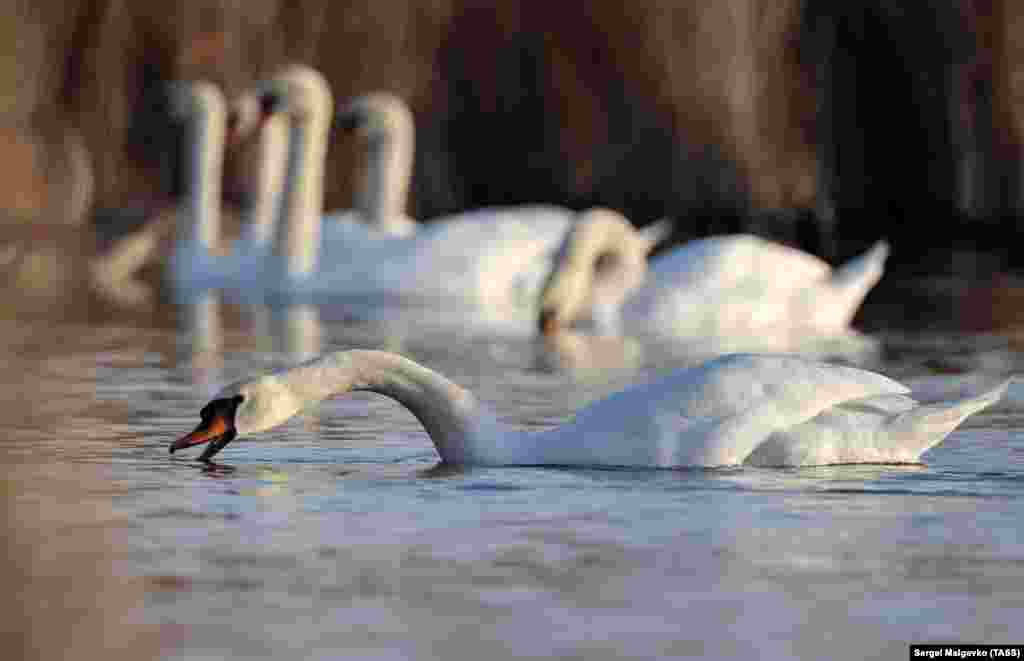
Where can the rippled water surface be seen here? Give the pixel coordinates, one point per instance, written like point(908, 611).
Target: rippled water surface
point(338, 536)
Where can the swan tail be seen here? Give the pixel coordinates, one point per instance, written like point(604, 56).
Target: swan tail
point(853, 280)
point(654, 233)
point(931, 423)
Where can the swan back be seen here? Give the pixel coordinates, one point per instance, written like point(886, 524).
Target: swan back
point(730, 286)
point(712, 415)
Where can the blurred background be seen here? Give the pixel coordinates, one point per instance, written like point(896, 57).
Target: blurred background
point(824, 125)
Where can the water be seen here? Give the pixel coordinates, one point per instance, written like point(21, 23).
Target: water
point(338, 536)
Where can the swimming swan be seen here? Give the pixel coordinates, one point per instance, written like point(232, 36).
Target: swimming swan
point(723, 286)
point(739, 409)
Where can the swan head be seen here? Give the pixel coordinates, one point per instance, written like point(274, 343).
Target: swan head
point(376, 116)
point(240, 409)
point(298, 90)
point(601, 260)
point(188, 99)
point(247, 113)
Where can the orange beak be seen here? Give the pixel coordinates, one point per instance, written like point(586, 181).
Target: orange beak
point(208, 430)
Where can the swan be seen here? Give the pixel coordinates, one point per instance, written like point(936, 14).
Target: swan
point(201, 254)
point(765, 410)
point(199, 259)
point(494, 258)
point(730, 286)
point(387, 126)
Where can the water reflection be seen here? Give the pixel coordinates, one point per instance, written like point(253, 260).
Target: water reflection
point(203, 325)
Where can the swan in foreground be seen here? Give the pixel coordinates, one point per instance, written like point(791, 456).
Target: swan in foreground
point(720, 287)
point(739, 409)
point(495, 258)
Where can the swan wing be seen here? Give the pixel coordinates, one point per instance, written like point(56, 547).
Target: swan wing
point(890, 428)
point(737, 285)
point(710, 415)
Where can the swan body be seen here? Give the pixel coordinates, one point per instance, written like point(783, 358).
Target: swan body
point(719, 287)
point(769, 410)
point(493, 259)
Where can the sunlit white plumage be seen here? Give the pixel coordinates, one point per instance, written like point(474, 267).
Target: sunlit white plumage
point(738, 409)
point(737, 286)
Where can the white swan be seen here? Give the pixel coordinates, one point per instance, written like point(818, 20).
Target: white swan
point(269, 160)
point(387, 126)
point(738, 409)
point(198, 258)
point(736, 286)
point(494, 258)
point(203, 256)
point(187, 236)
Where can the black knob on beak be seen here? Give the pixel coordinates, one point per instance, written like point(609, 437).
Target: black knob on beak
point(348, 120)
point(271, 102)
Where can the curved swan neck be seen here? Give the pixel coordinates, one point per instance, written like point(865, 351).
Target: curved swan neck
point(298, 238)
point(448, 412)
point(206, 135)
point(384, 198)
point(601, 233)
point(272, 160)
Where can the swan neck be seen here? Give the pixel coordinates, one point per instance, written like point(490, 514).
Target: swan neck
point(298, 238)
point(268, 184)
point(206, 136)
point(384, 199)
point(449, 413)
point(601, 236)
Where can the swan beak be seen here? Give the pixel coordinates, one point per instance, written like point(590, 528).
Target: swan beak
point(548, 322)
point(348, 120)
point(216, 430)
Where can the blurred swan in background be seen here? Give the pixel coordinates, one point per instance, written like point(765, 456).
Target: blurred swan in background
point(187, 238)
point(201, 258)
point(738, 409)
point(387, 126)
point(267, 179)
point(191, 238)
point(736, 289)
point(493, 258)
